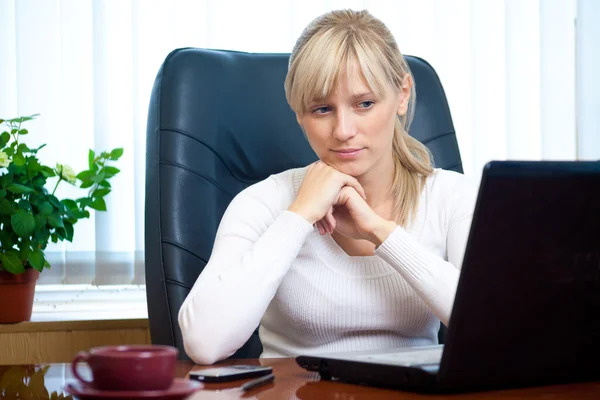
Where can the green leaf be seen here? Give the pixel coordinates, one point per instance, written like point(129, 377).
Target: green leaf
point(116, 153)
point(84, 202)
point(23, 223)
point(24, 205)
point(46, 208)
point(23, 147)
point(19, 189)
point(86, 175)
point(70, 220)
point(48, 172)
point(61, 233)
point(38, 149)
point(55, 220)
point(40, 222)
point(26, 118)
point(56, 203)
point(5, 207)
point(2, 193)
point(70, 204)
point(111, 171)
point(5, 240)
point(30, 174)
point(19, 172)
point(100, 192)
point(23, 132)
point(47, 264)
point(19, 160)
point(54, 238)
point(15, 238)
point(86, 184)
point(91, 158)
point(99, 178)
point(69, 231)
point(39, 182)
point(12, 263)
point(42, 236)
point(4, 138)
point(37, 199)
point(36, 259)
point(69, 215)
point(99, 204)
point(24, 252)
point(105, 184)
point(33, 165)
point(77, 213)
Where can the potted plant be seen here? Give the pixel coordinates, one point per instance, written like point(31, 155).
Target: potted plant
point(31, 215)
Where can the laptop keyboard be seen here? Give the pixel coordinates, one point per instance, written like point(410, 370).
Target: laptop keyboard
point(412, 357)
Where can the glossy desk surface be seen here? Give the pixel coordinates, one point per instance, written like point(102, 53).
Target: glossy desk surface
point(291, 382)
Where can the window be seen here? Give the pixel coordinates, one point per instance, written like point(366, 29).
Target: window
point(510, 69)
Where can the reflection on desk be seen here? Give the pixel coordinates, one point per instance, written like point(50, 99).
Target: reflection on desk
point(291, 382)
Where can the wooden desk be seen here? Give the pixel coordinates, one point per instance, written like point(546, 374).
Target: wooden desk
point(293, 382)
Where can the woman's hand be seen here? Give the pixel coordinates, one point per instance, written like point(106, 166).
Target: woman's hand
point(320, 190)
point(351, 216)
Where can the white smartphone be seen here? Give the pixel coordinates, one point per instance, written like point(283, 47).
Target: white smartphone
point(230, 373)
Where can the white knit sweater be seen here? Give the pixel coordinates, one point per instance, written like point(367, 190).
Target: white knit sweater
point(270, 266)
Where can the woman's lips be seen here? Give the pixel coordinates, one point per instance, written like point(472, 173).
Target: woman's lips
point(348, 154)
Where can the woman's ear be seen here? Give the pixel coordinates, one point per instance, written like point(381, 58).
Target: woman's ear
point(404, 95)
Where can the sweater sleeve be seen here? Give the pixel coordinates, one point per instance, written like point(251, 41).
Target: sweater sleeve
point(256, 243)
point(433, 278)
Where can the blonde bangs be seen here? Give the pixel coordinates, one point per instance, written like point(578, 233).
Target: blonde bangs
point(373, 65)
point(320, 65)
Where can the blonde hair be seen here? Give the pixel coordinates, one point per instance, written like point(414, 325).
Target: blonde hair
point(327, 47)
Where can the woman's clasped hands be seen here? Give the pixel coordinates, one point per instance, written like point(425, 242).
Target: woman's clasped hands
point(334, 201)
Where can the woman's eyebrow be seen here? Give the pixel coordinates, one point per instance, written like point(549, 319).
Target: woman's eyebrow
point(353, 97)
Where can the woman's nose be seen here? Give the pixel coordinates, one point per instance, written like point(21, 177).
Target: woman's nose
point(345, 127)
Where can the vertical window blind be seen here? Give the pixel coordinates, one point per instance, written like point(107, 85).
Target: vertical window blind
point(520, 76)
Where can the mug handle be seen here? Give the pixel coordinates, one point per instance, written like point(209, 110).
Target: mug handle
point(82, 356)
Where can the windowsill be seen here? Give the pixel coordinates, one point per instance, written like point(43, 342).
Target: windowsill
point(75, 325)
point(85, 307)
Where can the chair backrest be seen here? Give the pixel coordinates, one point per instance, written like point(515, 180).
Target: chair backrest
point(218, 122)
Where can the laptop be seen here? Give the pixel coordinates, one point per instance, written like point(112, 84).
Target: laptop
point(527, 306)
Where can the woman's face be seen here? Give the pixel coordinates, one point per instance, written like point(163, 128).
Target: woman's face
point(352, 129)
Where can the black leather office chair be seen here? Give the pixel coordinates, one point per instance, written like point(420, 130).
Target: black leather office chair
point(218, 122)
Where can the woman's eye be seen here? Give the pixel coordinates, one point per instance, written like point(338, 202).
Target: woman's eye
point(320, 110)
point(367, 104)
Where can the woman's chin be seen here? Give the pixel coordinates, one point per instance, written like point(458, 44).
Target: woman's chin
point(349, 168)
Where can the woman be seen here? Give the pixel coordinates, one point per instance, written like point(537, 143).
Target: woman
point(358, 251)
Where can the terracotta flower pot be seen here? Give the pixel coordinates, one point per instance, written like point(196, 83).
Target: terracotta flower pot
point(16, 295)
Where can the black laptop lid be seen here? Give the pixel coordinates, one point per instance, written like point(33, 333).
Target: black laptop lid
point(528, 303)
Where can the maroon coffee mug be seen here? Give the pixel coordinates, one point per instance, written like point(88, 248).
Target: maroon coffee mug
point(131, 367)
